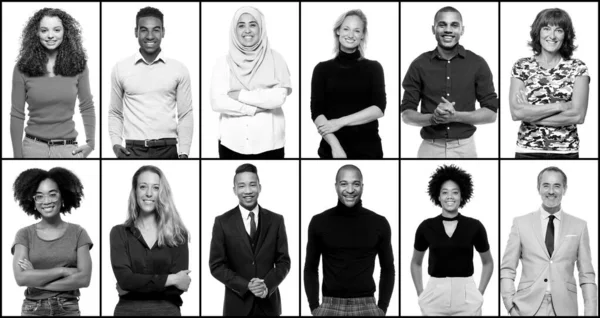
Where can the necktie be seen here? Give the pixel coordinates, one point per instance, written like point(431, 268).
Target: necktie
point(550, 235)
point(253, 225)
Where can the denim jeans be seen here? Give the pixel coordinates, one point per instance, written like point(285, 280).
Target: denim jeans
point(38, 149)
point(53, 306)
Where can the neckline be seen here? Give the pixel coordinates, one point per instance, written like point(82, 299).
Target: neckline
point(547, 69)
point(52, 240)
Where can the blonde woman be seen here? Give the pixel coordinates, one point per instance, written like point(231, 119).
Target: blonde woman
point(149, 252)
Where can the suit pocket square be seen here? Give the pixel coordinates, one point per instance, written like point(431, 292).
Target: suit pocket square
point(571, 235)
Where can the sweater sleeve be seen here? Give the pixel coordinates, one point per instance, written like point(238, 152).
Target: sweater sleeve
point(17, 111)
point(185, 122)
point(311, 266)
point(317, 92)
point(86, 107)
point(115, 111)
point(386, 262)
point(378, 86)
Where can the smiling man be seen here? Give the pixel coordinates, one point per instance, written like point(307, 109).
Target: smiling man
point(151, 100)
point(446, 82)
point(548, 242)
point(249, 252)
point(349, 237)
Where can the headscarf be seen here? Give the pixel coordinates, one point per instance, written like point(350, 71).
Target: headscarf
point(257, 66)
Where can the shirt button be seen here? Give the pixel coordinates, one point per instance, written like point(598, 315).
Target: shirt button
point(550, 262)
point(545, 280)
point(447, 94)
point(448, 128)
point(448, 77)
point(448, 62)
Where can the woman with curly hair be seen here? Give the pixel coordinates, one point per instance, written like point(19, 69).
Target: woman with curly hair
point(51, 73)
point(52, 257)
point(549, 91)
point(450, 238)
point(149, 252)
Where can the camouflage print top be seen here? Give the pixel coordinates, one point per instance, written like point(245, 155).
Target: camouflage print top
point(544, 87)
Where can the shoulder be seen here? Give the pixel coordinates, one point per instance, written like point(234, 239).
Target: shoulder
point(472, 55)
point(277, 56)
point(523, 219)
point(271, 213)
point(473, 222)
point(573, 64)
point(424, 57)
point(577, 222)
point(75, 228)
point(372, 64)
point(427, 223)
point(118, 230)
point(524, 61)
point(25, 231)
point(176, 64)
point(323, 215)
point(221, 64)
point(321, 66)
point(227, 215)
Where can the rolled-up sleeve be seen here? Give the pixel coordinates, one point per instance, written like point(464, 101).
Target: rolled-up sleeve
point(412, 88)
point(484, 88)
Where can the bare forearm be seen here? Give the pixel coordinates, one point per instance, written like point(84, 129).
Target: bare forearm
point(75, 281)
point(477, 117)
point(569, 117)
point(486, 275)
point(414, 118)
point(417, 277)
point(39, 277)
point(331, 139)
point(364, 116)
point(531, 113)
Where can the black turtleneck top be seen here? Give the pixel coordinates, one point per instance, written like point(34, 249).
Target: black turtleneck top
point(349, 239)
point(343, 86)
point(451, 256)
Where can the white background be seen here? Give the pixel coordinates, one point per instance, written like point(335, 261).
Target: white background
point(516, 25)
point(116, 186)
point(14, 218)
point(416, 207)
point(14, 18)
point(480, 37)
point(382, 46)
point(380, 195)
point(520, 196)
point(282, 30)
point(180, 43)
point(279, 194)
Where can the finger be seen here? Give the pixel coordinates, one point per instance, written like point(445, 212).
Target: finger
point(445, 100)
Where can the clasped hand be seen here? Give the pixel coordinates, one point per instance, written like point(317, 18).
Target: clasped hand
point(258, 288)
point(444, 113)
point(329, 127)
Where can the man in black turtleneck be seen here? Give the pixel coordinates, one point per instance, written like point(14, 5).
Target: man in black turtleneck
point(349, 237)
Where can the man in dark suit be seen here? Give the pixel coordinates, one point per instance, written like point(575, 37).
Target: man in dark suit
point(249, 252)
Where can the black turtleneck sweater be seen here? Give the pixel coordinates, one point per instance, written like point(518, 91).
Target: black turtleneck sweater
point(343, 86)
point(349, 239)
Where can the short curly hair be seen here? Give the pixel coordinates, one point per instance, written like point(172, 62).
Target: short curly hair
point(71, 59)
point(27, 183)
point(554, 16)
point(149, 12)
point(456, 174)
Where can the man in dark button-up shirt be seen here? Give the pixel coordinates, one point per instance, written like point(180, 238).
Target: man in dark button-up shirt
point(446, 82)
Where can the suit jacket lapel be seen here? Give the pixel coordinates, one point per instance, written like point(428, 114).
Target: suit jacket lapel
point(264, 223)
point(536, 224)
point(239, 223)
point(564, 223)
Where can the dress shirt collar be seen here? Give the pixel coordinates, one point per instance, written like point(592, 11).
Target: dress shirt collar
point(461, 52)
point(138, 56)
point(544, 215)
point(246, 213)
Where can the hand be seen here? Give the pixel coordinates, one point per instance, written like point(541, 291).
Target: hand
point(447, 106)
point(514, 311)
point(522, 97)
point(25, 264)
point(234, 95)
point(121, 291)
point(120, 151)
point(68, 271)
point(183, 156)
point(183, 280)
point(444, 113)
point(257, 287)
point(314, 311)
point(566, 106)
point(84, 149)
point(330, 127)
point(338, 152)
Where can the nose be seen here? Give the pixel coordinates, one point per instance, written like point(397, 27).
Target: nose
point(46, 199)
point(350, 190)
point(148, 192)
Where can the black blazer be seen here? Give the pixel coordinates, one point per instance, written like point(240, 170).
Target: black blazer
point(234, 264)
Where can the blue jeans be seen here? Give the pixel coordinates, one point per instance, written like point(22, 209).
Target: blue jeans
point(38, 149)
point(53, 306)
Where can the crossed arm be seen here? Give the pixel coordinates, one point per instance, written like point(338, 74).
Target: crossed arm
point(556, 114)
point(55, 279)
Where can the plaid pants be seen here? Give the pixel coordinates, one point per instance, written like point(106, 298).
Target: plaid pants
point(332, 306)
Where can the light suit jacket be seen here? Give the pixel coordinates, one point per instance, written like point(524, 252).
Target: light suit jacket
point(527, 244)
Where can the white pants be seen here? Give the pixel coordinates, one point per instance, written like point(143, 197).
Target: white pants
point(451, 296)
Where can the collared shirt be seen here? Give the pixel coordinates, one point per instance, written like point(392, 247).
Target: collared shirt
point(151, 101)
point(241, 128)
point(463, 79)
point(246, 217)
point(544, 218)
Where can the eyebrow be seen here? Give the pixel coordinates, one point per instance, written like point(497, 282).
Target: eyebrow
point(53, 190)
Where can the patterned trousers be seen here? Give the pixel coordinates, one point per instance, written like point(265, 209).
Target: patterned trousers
point(332, 306)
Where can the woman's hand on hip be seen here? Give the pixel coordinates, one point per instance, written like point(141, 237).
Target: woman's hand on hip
point(85, 150)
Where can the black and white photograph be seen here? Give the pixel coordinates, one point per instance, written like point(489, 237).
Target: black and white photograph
point(349, 77)
point(449, 227)
point(150, 80)
point(549, 226)
point(250, 257)
point(355, 236)
point(250, 80)
point(50, 238)
point(51, 78)
point(151, 238)
point(449, 70)
point(549, 70)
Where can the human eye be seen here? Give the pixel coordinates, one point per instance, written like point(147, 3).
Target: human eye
point(156, 188)
point(142, 186)
point(53, 195)
point(38, 197)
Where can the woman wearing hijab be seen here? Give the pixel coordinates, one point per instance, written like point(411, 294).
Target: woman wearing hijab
point(249, 86)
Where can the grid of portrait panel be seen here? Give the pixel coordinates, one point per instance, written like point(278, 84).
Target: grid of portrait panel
point(299, 158)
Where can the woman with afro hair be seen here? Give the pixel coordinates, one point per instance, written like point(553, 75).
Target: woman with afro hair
point(450, 238)
point(51, 73)
point(52, 257)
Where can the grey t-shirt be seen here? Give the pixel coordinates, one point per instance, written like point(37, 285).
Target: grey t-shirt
point(46, 254)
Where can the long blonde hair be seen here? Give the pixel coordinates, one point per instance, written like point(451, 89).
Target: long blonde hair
point(171, 231)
